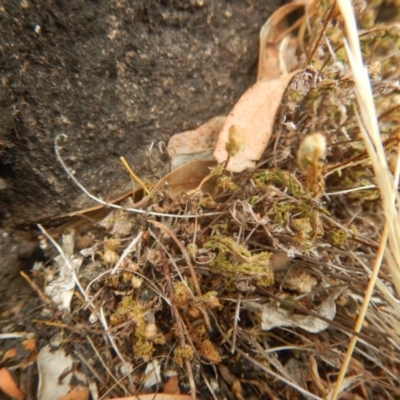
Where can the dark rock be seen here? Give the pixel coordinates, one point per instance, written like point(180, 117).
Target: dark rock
point(114, 76)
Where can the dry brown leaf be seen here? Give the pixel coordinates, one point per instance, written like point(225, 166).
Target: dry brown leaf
point(52, 364)
point(185, 179)
point(273, 316)
point(77, 393)
point(156, 396)
point(172, 386)
point(10, 354)
point(8, 385)
point(253, 117)
point(197, 140)
point(275, 55)
point(197, 144)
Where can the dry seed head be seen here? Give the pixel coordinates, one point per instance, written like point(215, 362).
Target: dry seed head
point(181, 295)
point(183, 353)
point(126, 276)
point(192, 249)
point(312, 149)
point(130, 265)
point(111, 244)
point(310, 158)
point(150, 331)
point(110, 257)
point(136, 282)
point(194, 312)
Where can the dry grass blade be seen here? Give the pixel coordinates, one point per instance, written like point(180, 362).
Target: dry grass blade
point(384, 178)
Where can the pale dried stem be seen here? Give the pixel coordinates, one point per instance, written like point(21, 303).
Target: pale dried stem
point(386, 183)
point(188, 261)
point(128, 250)
point(236, 319)
point(111, 205)
point(179, 325)
point(112, 341)
point(103, 363)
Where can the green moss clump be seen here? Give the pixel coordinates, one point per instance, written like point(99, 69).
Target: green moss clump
point(279, 178)
point(232, 257)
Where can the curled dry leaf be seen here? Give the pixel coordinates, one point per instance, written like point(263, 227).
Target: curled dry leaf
point(53, 383)
point(273, 316)
point(197, 140)
point(8, 385)
point(157, 396)
point(253, 117)
point(276, 54)
point(172, 385)
point(197, 144)
point(185, 179)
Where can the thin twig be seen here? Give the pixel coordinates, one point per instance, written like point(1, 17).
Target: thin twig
point(262, 366)
point(105, 203)
point(134, 176)
point(35, 287)
point(103, 363)
point(340, 192)
point(112, 341)
point(178, 321)
point(188, 261)
point(131, 246)
point(235, 322)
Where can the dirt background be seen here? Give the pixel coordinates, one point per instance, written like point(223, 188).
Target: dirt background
point(114, 76)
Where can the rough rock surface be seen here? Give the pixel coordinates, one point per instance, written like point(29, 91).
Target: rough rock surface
point(114, 76)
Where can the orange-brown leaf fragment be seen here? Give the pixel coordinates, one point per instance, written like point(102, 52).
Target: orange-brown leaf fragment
point(172, 386)
point(253, 116)
point(77, 393)
point(8, 385)
point(197, 140)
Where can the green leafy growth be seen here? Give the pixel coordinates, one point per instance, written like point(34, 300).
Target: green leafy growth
point(225, 183)
point(253, 200)
point(280, 179)
point(280, 212)
point(130, 309)
point(360, 178)
point(236, 259)
point(218, 170)
point(220, 228)
point(207, 201)
point(338, 236)
point(210, 299)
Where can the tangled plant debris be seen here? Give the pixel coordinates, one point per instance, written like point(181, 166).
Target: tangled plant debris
point(218, 284)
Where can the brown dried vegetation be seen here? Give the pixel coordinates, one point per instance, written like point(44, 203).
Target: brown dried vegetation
point(251, 289)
